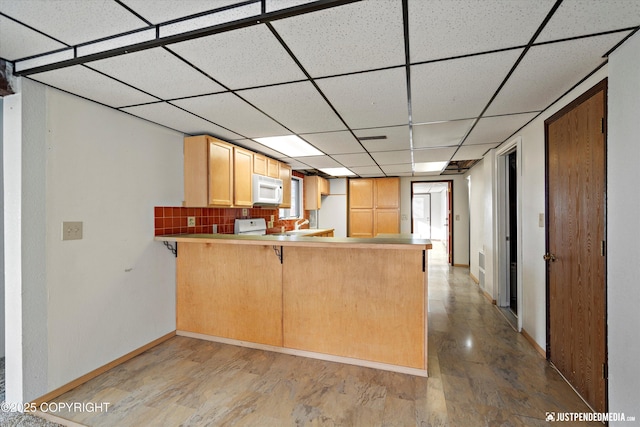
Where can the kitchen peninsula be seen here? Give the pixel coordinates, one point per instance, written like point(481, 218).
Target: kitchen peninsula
point(350, 300)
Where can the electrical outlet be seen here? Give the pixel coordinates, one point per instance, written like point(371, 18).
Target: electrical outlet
point(72, 230)
point(214, 229)
point(244, 212)
point(191, 221)
point(270, 224)
point(272, 218)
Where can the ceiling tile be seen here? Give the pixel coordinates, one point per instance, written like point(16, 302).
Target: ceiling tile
point(295, 164)
point(73, 22)
point(459, 88)
point(242, 58)
point(82, 81)
point(273, 5)
point(366, 170)
point(229, 111)
point(397, 138)
point(350, 160)
point(299, 106)
point(457, 28)
point(354, 37)
point(168, 78)
point(371, 99)
point(19, 41)
point(398, 170)
point(319, 162)
point(472, 152)
point(162, 11)
point(497, 129)
point(548, 71)
point(433, 154)
point(442, 134)
point(175, 118)
point(581, 17)
point(392, 157)
point(256, 146)
point(334, 142)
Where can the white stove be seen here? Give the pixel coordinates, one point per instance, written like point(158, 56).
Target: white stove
point(247, 227)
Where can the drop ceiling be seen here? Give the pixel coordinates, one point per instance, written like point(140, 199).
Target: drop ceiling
point(376, 85)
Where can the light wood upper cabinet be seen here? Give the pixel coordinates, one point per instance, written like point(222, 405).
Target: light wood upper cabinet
point(374, 206)
point(314, 188)
point(285, 176)
point(217, 173)
point(387, 193)
point(208, 172)
point(243, 173)
point(259, 164)
point(273, 168)
point(361, 193)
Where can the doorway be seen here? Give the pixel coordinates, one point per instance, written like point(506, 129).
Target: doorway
point(575, 246)
point(432, 211)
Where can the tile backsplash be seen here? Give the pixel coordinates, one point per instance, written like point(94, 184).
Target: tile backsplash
point(173, 220)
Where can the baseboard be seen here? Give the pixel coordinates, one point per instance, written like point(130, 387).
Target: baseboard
point(310, 354)
point(101, 370)
point(474, 278)
point(461, 265)
point(533, 342)
point(488, 296)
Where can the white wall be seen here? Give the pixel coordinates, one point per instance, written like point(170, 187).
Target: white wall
point(437, 233)
point(460, 210)
point(2, 322)
point(476, 219)
point(623, 231)
point(483, 201)
point(114, 290)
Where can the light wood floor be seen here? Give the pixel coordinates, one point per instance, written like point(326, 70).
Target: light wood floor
point(481, 373)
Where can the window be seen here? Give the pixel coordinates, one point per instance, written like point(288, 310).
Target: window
point(296, 210)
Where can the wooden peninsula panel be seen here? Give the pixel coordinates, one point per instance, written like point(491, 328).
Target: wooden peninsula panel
point(364, 303)
point(218, 294)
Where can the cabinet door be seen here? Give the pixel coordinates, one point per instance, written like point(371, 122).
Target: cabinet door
point(232, 302)
point(387, 221)
point(273, 168)
point(243, 171)
point(324, 186)
point(196, 171)
point(361, 223)
point(387, 193)
point(220, 173)
point(361, 193)
point(259, 164)
point(285, 176)
point(311, 193)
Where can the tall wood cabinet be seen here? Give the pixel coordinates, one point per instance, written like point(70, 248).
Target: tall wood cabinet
point(374, 206)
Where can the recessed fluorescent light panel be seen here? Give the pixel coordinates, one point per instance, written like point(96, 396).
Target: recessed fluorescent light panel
point(429, 166)
point(338, 172)
point(290, 145)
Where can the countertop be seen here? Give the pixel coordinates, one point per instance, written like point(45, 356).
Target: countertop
point(386, 241)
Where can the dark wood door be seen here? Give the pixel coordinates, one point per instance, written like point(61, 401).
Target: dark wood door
point(576, 149)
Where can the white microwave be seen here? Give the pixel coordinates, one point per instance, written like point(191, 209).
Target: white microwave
point(267, 191)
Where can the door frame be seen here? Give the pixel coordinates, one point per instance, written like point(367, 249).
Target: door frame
point(501, 266)
point(601, 85)
point(449, 183)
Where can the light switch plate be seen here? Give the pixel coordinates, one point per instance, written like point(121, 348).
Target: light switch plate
point(541, 220)
point(72, 230)
point(191, 221)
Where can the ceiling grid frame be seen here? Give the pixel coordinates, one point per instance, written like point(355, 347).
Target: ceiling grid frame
point(311, 7)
